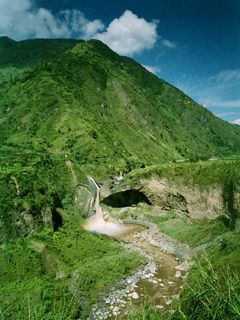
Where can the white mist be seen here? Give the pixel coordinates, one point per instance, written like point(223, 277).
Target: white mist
point(97, 223)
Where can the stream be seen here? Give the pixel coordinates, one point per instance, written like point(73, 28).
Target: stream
point(158, 282)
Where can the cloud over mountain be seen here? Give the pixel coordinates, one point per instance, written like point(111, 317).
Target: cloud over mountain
point(20, 19)
point(152, 69)
point(237, 121)
point(127, 35)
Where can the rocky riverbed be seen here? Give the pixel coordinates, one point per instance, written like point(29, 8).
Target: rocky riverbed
point(158, 282)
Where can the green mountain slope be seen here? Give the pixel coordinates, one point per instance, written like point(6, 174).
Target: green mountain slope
point(28, 52)
point(83, 100)
point(69, 108)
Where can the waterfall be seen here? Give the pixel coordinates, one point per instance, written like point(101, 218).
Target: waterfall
point(96, 223)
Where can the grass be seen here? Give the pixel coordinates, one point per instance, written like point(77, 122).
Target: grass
point(202, 173)
point(210, 293)
point(193, 233)
point(144, 313)
point(212, 288)
point(59, 275)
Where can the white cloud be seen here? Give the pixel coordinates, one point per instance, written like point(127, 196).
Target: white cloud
point(227, 113)
point(152, 69)
point(237, 121)
point(168, 44)
point(91, 27)
point(129, 34)
point(19, 19)
point(225, 76)
point(225, 104)
point(218, 92)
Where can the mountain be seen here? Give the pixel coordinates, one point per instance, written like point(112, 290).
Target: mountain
point(82, 100)
point(70, 108)
point(28, 52)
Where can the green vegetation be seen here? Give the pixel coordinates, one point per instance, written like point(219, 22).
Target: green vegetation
point(28, 52)
point(59, 275)
point(202, 173)
point(33, 187)
point(71, 108)
point(212, 289)
point(193, 233)
point(59, 272)
point(145, 313)
point(210, 293)
point(105, 111)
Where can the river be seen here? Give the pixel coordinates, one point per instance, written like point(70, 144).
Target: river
point(158, 282)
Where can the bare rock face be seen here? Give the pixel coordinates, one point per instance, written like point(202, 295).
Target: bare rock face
point(196, 201)
point(48, 217)
point(84, 201)
point(236, 199)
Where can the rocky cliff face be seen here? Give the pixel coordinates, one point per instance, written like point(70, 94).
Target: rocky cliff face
point(84, 201)
point(195, 202)
point(207, 193)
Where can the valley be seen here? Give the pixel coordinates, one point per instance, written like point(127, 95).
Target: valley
point(120, 195)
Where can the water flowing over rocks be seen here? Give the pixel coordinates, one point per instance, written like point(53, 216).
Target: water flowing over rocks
point(159, 280)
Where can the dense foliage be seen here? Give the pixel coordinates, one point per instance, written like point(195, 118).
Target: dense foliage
point(106, 111)
point(58, 276)
point(33, 187)
point(71, 108)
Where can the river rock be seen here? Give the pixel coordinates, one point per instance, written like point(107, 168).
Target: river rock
point(115, 309)
point(154, 281)
point(184, 266)
point(178, 274)
point(135, 295)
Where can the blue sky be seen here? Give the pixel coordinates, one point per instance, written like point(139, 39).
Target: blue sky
point(193, 44)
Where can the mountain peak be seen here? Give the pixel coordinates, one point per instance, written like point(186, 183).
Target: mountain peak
point(104, 110)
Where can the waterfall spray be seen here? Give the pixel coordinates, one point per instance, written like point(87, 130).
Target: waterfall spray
point(96, 223)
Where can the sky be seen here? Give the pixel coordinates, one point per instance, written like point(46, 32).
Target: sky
point(192, 44)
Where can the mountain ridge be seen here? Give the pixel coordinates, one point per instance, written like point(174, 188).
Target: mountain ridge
point(106, 111)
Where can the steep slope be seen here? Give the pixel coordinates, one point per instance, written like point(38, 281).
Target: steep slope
point(107, 112)
point(63, 100)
